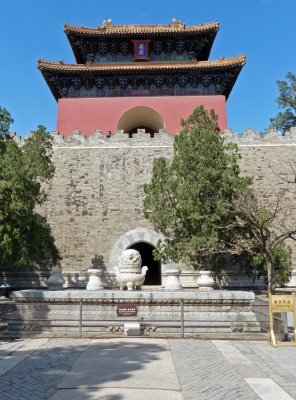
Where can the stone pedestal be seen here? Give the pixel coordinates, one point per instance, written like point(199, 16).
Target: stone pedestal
point(205, 280)
point(132, 329)
point(95, 280)
point(56, 280)
point(173, 280)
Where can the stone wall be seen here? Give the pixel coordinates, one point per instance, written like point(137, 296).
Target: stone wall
point(96, 195)
point(271, 161)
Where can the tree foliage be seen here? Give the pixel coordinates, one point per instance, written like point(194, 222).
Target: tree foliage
point(25, 236)
point(287, 101)
point(5, 122)
point(207, 212)
point(189, 199)
point(268, 227)
point(282, 262)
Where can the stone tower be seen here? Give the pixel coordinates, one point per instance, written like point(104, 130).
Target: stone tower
point(130, 77)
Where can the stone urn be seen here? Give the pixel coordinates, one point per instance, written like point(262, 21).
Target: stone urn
point(205, 280)
point(95, 279)
point(173, 281)
point(56, 280)
point(129, 273)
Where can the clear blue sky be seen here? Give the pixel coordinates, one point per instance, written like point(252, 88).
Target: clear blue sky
point(262, 29)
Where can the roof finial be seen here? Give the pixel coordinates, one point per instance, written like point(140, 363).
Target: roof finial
point(176, 23)
point(107, 24)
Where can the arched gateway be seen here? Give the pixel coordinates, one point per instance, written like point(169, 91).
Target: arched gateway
point(144, 240)
point(141, 118)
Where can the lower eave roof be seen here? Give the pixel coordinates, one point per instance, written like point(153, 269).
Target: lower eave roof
point(137, 67)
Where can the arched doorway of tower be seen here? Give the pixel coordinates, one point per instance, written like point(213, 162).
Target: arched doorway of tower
point(153, 275)
point(141, 118)
point(143, 240)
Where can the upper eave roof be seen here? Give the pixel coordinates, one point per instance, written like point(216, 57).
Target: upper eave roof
point(121, 30)
point(129, 32)
point(134, 67)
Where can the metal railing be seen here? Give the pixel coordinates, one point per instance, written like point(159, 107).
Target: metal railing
point(177, 318)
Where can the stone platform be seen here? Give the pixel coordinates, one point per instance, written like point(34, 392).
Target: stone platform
point(82, 313)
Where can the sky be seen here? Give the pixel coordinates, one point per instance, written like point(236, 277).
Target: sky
point(263, 30)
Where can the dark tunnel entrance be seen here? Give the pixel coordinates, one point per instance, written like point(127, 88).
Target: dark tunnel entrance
point(153, 275)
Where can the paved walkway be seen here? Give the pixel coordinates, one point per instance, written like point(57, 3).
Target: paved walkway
point(145, 369)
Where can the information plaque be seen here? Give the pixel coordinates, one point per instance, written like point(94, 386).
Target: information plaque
point(126, 310)
point(282, 303)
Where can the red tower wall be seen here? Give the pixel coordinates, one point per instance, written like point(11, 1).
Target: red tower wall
point(89, 114)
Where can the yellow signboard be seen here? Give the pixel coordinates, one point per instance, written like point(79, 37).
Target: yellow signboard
point(282, 303)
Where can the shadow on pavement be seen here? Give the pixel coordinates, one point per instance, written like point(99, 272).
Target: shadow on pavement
point(82, 365)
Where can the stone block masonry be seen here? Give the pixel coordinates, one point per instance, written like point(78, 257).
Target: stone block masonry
point(96, 195)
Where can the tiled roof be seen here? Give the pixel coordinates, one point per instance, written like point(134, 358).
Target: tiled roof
point(84, 69)
point(108, 29)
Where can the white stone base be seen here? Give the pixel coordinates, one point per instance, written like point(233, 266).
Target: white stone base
point(173, 281)
point(132, 329)
point(95, 280)
point(158, 312)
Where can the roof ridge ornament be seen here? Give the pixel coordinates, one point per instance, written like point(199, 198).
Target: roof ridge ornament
point(176, 23)
point(107, 24)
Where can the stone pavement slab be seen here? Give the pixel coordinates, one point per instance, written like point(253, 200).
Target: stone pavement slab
point(205, 373)
point(267, 389)
point(24, 351)
point(141, 365)
point(146, 368)
point(6, 347)
point(116, 394)
point(37, 376)
point(231, 353)
point(278, 364)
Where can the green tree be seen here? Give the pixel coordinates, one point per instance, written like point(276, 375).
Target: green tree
point(189, 199)
point(268, 228)
point(5, 121)
point(25, 236)
point(282, 260)
point(287, 101)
